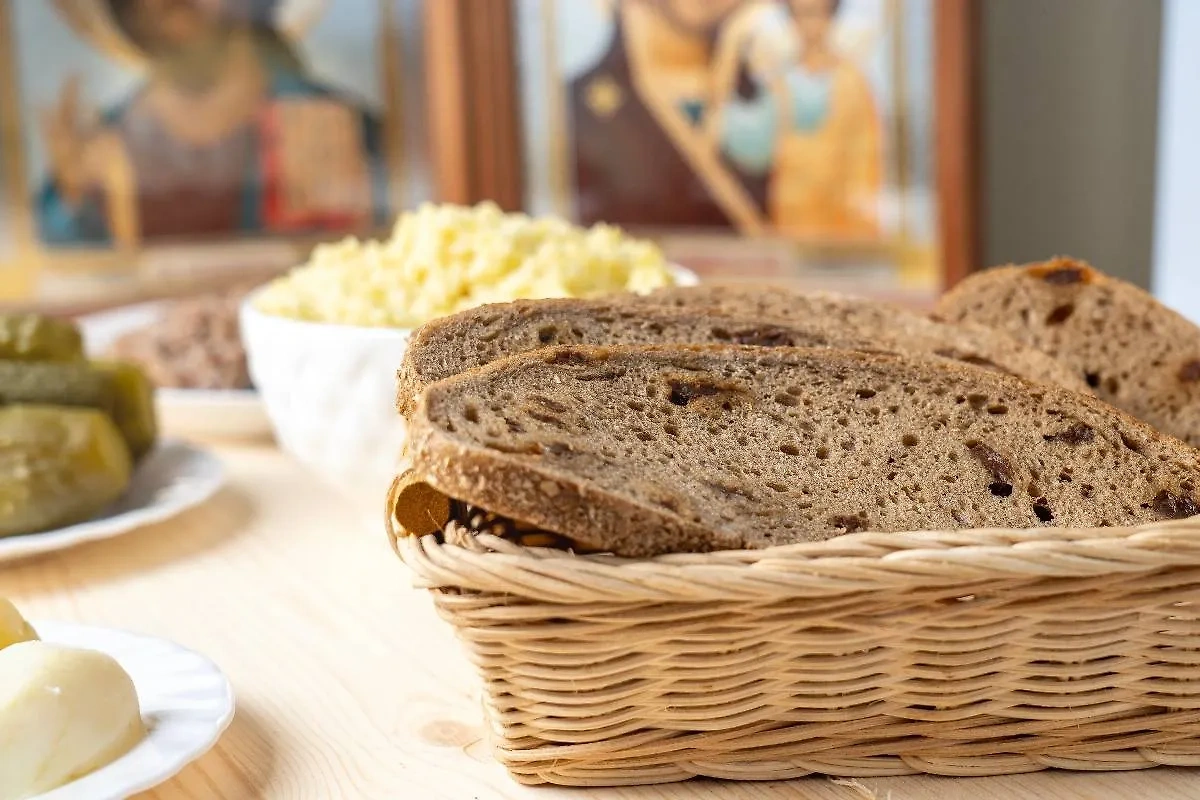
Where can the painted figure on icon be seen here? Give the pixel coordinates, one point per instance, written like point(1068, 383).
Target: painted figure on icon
point(225, 132)
point(742, 113)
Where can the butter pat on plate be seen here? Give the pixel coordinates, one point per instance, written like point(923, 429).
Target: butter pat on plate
point(64, 712)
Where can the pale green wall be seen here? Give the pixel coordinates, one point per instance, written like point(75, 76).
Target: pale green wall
point(1070, 109)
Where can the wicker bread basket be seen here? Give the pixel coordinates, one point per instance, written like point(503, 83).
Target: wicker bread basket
point(978, 652)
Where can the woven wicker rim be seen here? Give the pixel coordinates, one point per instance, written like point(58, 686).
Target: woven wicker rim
point(849, 563)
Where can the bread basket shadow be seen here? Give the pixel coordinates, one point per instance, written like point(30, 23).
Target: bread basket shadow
point(972, 652)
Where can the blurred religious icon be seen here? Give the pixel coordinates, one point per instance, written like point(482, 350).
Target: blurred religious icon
point(639, 157)
point(802, 113)
point(742, 114)
point(226, 132)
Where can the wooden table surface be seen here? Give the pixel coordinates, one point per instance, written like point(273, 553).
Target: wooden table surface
point(348, 684)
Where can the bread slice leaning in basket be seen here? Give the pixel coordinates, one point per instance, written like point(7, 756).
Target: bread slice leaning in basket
point(876, 320)
point(647, 450)
point(478, 336)
point(1132, 350)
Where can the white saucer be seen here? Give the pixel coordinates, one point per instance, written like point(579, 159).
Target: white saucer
point(187, 703)
point(172, 479)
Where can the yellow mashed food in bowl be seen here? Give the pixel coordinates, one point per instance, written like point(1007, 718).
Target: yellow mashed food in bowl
point(443, 258)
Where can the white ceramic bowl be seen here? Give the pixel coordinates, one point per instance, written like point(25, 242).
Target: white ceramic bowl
point(330, 390)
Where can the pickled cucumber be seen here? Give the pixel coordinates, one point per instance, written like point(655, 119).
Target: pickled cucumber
point(133, 405)
point(33, 337)
point(118, 389)
point(58, 466)
point(56, 383)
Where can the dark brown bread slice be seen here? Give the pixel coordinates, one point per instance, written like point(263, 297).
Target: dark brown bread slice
point(873, 319)
point(481, 335)
point(644, 450)
point(1133, 351)
point(780, 301)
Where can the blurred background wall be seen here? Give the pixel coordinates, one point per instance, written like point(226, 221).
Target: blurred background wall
point(1070, 94)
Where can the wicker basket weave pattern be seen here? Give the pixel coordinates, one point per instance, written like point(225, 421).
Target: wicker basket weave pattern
point(975, 652)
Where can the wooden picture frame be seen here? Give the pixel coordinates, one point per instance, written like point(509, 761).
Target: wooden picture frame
point(474, 123)
point(956, 56)
point(478, 146)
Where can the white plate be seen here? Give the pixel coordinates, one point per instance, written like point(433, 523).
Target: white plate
point(172, 479)
point(187, 703)
point(205, 413)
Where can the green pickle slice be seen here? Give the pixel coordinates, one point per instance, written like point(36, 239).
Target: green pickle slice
point(120, 390)
point(58, 466)
point(56, 383)
point(33, 337)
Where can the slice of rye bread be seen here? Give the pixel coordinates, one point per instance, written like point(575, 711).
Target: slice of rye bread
point(646, 450)
point(966, 340)
point(1133, 351)
point(780, 301)
point(481, 335)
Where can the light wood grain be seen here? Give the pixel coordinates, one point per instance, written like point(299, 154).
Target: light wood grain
point(349, 686)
